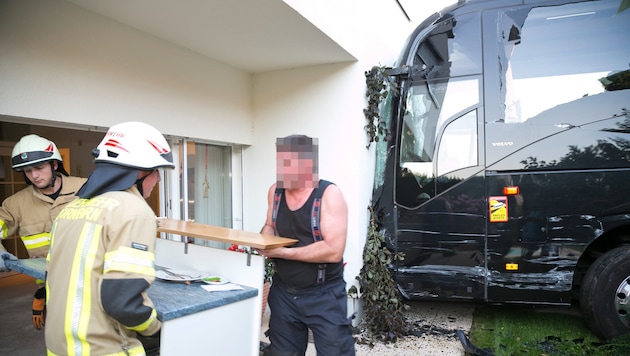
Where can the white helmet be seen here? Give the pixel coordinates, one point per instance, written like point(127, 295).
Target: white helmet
point(32, 150)
point(136, 145)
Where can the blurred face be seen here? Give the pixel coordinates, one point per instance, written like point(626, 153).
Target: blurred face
point(295, 170)
point(296, 162)
point(41, 175)
point(152, 178)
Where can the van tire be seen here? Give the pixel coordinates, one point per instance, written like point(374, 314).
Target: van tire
point(605, 294)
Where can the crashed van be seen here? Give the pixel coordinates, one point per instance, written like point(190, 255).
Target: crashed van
point(506, 174)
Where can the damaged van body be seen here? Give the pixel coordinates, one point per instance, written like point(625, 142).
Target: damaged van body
point(506, 174)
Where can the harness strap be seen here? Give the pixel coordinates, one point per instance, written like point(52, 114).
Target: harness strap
point(276, 204)
point(315, 219)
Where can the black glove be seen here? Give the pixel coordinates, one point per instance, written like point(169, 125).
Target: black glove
point(151, 343)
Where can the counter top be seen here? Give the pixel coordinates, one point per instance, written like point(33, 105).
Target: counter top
point(176, 299)
point(222, 234)
point(171, 299)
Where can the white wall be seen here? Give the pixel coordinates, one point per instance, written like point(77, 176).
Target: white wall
point(59, 62)
point(327, 102)
point(321, 102)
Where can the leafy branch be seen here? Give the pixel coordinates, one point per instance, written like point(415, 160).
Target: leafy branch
point(382, 301)
point(376, 81)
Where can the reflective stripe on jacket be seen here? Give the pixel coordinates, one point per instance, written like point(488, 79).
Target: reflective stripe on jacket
point(30, 214)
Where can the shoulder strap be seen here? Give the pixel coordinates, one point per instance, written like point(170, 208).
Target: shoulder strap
point(315, 210)
point(276, 203)
point(315, 217)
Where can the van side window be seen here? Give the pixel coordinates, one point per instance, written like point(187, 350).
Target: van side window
point(458, 147)
point(558, 54)
point(561, 67)
point(452, 49)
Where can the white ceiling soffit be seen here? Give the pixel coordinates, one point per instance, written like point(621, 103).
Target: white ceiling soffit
point(251, 35)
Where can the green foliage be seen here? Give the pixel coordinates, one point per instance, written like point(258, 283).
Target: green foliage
point(383, 304)
point(376, 81)
point(269, 266)
point(524, 331)
point(269, 269)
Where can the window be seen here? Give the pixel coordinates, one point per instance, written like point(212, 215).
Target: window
point(560, 68)
point(204, 185)
point(440, 109)
point(558, 54)
point(452, 49)
point(203, 174)
point(458, 147)
point(438, 120)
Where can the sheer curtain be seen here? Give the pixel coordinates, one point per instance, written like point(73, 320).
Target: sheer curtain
point(210, 187)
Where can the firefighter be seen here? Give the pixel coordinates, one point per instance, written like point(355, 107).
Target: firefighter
point(100, 263)
point(30, 212)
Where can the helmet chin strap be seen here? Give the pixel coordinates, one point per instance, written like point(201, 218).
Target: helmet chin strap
point(139, 184)
point(54, 175)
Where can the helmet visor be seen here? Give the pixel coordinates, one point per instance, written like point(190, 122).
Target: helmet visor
point(30, 158)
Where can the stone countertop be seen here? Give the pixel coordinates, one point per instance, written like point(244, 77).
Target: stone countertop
point(171, 299)
point(176, 299)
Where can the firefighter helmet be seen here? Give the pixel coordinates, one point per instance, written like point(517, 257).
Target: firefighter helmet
point(32, 150)
point(136, 145)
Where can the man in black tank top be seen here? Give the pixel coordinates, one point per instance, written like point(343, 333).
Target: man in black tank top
point(308, 289)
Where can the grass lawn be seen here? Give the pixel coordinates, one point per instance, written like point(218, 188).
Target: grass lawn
point(512, 330)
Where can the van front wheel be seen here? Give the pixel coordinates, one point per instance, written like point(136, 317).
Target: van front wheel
point(605, 294)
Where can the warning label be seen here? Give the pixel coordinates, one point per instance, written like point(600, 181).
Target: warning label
point(498, 209)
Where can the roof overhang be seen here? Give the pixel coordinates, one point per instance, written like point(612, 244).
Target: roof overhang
point(251, 35)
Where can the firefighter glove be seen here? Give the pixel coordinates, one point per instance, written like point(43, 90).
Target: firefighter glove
point(4, 255)
point(39, 308)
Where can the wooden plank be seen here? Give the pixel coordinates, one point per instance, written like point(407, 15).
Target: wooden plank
point(222, 234)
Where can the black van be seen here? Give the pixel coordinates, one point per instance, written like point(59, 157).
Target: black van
point(506, 178)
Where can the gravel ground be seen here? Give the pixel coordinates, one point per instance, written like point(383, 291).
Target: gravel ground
point(434, 323)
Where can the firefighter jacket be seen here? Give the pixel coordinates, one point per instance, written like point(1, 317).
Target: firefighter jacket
point(99, 268)
point(30, 214)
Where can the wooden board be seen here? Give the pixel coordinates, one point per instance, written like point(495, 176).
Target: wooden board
point(222, 234)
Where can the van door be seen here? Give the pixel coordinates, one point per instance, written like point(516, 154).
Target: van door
point(439, 189)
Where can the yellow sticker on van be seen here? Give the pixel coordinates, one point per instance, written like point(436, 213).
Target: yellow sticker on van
point(498, 209)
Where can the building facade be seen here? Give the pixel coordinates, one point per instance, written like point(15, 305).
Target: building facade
point(221, 79)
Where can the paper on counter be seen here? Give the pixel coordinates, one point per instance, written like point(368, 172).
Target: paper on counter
point(221, 287)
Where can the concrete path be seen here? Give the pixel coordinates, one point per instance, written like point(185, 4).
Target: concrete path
point(17, 334)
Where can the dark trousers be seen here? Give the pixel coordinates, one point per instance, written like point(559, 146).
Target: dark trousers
point(323, 309)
